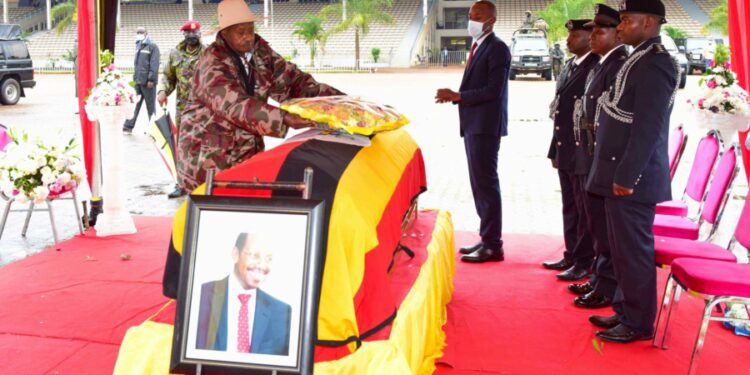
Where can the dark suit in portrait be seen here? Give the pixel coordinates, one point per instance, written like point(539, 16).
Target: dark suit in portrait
point(271, 327)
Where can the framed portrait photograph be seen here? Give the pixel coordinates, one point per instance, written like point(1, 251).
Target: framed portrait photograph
point(249, 286)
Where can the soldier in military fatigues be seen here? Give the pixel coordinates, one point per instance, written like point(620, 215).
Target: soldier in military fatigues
point(579, 251)
point(600, 289)
point(558, 56)
point(178, 74)
point(228, 113)
point(631, 167)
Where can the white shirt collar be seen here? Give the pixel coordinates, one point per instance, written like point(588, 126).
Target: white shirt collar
point(579, 60)
point(609, 53)
point(481, 39)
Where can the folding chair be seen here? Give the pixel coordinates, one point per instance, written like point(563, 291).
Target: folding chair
point(708, 150)
point(4, 141)
point(676, 147)
point(713, 206)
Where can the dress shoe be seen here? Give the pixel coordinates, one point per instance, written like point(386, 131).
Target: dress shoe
point(484, 254)
point(178, 192)
point(470, 249)
point(581, 288)
point(604, 321)
point(574, 273)
point(623, 334)
point(593, 300)
point(560, 265)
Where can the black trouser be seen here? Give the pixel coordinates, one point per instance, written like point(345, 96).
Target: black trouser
point(631, 236)
point(149, 96)
point(578, 245)
point(603, 279)
point(481, 153)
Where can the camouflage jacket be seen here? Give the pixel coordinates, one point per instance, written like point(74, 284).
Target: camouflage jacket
point(178, 73)
point(224, 121)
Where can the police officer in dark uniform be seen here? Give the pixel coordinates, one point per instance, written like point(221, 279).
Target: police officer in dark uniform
point(631, 168)
point(600, 289)
point(579, 251)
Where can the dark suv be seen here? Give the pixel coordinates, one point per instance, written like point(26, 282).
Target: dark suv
point(16, 68)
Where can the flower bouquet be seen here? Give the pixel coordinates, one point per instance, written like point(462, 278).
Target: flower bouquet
point(39, 169)
point(723, 104)
point(112, 89)
point(344, 113)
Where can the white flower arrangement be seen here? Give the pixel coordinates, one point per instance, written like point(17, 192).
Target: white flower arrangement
point(38, 169)
point(112, 89)
point(720, 93)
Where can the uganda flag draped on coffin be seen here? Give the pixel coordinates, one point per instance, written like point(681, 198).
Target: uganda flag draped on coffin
point(367, 191)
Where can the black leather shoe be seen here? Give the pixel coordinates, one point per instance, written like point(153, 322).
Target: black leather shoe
point(623, 334)
point(604, 321)
point(560, 265)
point(574, 274)
point(581, 288)
point(593, 300)
point(178, 192)
point(484, 254)
point(470, 249)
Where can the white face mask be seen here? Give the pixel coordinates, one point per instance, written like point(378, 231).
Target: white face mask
point(139, 37)
point(475, 29)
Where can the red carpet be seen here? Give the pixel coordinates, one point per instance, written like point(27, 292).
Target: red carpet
point(516, 318)
point(67, 311)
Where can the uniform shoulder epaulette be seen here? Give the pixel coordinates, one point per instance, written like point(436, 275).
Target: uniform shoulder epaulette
point(659, 48)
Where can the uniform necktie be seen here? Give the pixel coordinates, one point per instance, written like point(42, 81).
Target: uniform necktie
point(471, 53)
point(243, 326)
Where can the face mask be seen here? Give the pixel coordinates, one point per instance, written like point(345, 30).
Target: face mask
point(475, 29)
point(192, 40)
point(139, 37)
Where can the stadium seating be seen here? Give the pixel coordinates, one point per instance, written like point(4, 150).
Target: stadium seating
point(707, 5)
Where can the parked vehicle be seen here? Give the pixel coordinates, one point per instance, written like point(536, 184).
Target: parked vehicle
point(16, 67)
point(698, 52)
point(682, 61)
point(530, 52)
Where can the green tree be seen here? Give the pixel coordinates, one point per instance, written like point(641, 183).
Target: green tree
point(675, 32)
point(557, 14)
point(67, 13)
point(375, 54)
point(311, 31)
point(718, 20)
point(360, 14)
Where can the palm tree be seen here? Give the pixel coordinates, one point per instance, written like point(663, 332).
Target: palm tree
point(310, 30)
point(559, 12)
point(675, 32)
point(719, 19)
point(359, 15)
point(68, 12)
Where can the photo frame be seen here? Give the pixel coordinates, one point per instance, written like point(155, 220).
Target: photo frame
point(249, 286)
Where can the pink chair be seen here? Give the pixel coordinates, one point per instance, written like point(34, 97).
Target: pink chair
point(715, 281)
point(677, 142)
point(709, 148)
point(716, 200)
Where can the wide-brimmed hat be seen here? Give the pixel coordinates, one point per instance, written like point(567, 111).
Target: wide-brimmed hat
point(234, 12)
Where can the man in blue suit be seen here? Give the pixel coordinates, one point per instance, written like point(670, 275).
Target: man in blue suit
point(483, 112)
point(235, 315)
point(631, 167)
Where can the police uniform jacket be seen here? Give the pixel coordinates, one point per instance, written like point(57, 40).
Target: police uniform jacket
point(601, 78)
point(631, 148)
point(563, 145)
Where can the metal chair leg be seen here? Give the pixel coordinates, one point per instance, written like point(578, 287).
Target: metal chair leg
point(52, 220)
point(675, 303)
point(28, 218)
point(710, 304)
point(664, 306)
point(6, 211)
point(78, 213)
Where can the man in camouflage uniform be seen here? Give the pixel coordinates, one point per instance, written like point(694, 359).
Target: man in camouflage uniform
point(178, 74)
point(228, 113)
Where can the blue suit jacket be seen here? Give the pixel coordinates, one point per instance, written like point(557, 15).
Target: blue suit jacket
point(483, 108)
point(634, 155)
point(271, 324)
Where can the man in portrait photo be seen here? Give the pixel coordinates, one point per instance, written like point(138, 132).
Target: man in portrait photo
point(235, 314)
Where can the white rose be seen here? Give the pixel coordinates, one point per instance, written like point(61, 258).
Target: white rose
point(21, 198)
point(40, 194)
point(64, 178)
